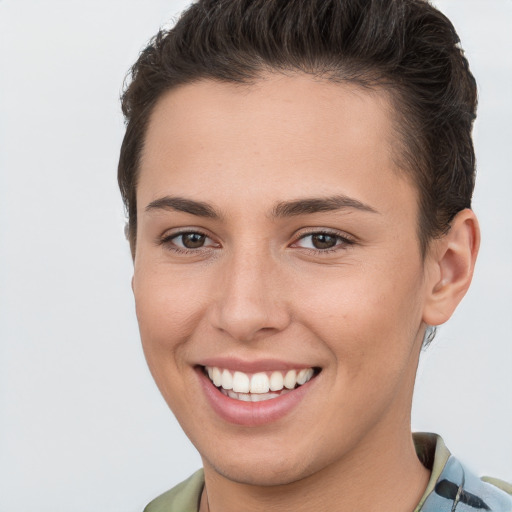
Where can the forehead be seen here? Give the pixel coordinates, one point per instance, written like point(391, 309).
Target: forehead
point(291, 135)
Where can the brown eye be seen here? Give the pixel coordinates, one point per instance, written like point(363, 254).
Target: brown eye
point(323, 241)
point(192, 240)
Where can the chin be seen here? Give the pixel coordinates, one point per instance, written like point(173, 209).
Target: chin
point(267, 472)
point(267, 462)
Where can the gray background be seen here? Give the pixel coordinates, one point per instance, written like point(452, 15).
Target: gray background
point(82, 426)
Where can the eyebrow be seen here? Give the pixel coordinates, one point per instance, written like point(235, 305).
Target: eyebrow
point(180, 204)
point(305, 206)
point(316, 205)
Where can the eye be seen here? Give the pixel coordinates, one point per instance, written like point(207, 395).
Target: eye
point(323, 241)
point(188, 241)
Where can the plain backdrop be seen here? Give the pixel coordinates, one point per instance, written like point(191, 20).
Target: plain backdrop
point(82, 426)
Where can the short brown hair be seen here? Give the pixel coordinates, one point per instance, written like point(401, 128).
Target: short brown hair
point(404, 46)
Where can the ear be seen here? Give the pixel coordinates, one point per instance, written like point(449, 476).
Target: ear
point(450, 262)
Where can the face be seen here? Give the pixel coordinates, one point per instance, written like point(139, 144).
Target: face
point(278, 280)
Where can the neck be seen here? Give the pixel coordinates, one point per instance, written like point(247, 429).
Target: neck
point(382, 474)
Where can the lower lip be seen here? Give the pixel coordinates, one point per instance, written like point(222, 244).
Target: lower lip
point(251, 414)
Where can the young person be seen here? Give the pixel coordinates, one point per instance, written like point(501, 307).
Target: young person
point(298, 178)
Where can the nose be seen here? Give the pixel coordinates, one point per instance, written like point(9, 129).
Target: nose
point(250, 299)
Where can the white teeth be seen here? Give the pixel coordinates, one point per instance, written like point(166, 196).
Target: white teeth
point(241, 383)
point(264, 396)
point(276, 381)
point(260, 383)
point(217, 377)
point(259, 386)
point(304, 375)
point(227, 380)
point(290, 379)
point(250, 397)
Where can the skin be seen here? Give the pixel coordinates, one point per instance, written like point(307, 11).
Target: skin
point(258, 289)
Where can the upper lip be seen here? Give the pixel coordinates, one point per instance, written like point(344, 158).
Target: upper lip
point(253, 366)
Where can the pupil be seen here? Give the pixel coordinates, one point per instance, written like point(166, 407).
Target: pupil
point(323, 241)
point(193, 240)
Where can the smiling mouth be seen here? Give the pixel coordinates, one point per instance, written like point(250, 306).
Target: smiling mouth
point(258, 387)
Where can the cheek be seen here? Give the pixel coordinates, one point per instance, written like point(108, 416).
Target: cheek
point(167, 313)
point(369, 322)
point(367, 314)
point(166, 320)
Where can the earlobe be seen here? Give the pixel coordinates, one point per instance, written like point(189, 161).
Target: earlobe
point(451, 264)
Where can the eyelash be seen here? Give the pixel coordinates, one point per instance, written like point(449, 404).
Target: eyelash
point(168, 241)
point(342, 242)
